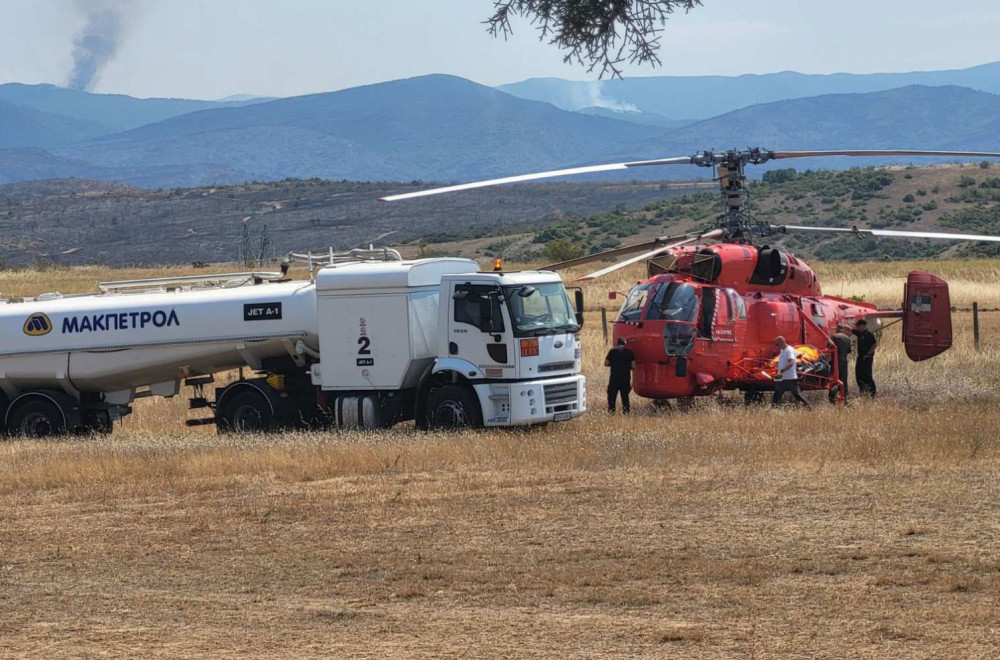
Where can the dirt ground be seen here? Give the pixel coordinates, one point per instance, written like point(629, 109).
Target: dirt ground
point(607, 540)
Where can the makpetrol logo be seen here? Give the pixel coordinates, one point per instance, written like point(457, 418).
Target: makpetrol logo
point(37, 325)
point(140, 320)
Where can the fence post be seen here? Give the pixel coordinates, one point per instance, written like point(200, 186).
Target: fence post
point(604, 324)
point(975, 324)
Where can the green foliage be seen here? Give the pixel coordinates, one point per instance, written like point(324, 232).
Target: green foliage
point(872, 249)
point(597, 34)
point(562, 250)
point(859, 183)
point(774, 177)
point(909, 199)
point(980, 250)
point(499, 248)
point(982, 217)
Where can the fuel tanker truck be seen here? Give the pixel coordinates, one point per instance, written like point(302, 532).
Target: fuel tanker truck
point(368, 341)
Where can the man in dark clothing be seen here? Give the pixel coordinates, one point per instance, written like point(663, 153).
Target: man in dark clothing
point(621, 361)
point(866, 358)
point(843, 344)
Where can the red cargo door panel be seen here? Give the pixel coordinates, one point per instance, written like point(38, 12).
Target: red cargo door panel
point(926, 316)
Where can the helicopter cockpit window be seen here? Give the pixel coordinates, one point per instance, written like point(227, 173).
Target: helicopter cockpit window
point(674, 302)
point(730, 310)
point(634, 304)
point(817, 314)
point(738, 305)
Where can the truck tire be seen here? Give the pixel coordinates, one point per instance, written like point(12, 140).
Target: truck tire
point(247, 411)
point(453, 407)
point(35, 417)
point(98, 422)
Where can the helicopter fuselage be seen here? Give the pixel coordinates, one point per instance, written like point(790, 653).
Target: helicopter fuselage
point(707, 318)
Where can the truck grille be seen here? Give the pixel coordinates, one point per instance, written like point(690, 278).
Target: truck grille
point(555, 366)
point(558, 396)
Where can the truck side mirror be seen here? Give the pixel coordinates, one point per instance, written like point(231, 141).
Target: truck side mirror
point(578, 294)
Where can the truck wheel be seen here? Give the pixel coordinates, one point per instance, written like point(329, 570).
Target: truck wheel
point(35, 418)
point(453, 407)
point(245, 412)
point(96, 422)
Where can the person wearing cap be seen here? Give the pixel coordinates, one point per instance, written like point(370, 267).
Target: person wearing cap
point(787, 377)
point(621, 362)
point(866, 358)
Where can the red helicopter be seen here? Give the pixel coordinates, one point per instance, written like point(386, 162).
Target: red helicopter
point(707, 317)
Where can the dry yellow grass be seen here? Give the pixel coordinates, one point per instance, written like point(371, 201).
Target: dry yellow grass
point(866, 531)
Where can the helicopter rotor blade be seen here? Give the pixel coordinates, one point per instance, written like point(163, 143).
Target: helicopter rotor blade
point(892, 233)
point(692, 238)
point(777, 155)
point(590, 169)
point(617, 252)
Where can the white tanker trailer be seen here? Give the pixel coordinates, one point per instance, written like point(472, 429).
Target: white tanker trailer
point(370, 341)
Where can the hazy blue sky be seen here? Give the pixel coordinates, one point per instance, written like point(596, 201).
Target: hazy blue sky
point(214, 48)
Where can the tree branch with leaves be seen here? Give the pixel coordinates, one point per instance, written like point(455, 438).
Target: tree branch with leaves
point(595, 33)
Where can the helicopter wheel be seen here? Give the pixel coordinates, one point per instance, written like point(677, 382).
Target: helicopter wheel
point(753, 398)
point(661, 404)
point(834, 393)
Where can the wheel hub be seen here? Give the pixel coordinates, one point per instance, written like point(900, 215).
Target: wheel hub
point(451, 414)
point(247, 418)
point(36, 425)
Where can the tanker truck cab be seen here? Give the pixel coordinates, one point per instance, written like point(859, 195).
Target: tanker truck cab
point(513, 340)
point(436, 341)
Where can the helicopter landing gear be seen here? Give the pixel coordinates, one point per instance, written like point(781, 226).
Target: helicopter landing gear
point(685, 403)
point(753, 397)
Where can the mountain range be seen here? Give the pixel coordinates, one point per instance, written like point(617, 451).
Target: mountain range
point(443, 128)
point(702, 97)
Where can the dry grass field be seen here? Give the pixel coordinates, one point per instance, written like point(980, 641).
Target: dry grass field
point(865, 531)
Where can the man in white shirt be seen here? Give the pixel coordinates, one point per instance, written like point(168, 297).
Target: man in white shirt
point(787, 377)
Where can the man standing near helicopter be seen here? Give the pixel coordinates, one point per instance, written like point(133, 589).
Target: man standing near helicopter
point(866, 358)
point(621, 361)
point(787, 377)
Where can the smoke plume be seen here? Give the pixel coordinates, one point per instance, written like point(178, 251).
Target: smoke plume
point(97, 42)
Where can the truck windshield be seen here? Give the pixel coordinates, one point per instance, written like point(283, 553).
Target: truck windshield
point(540, 309)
